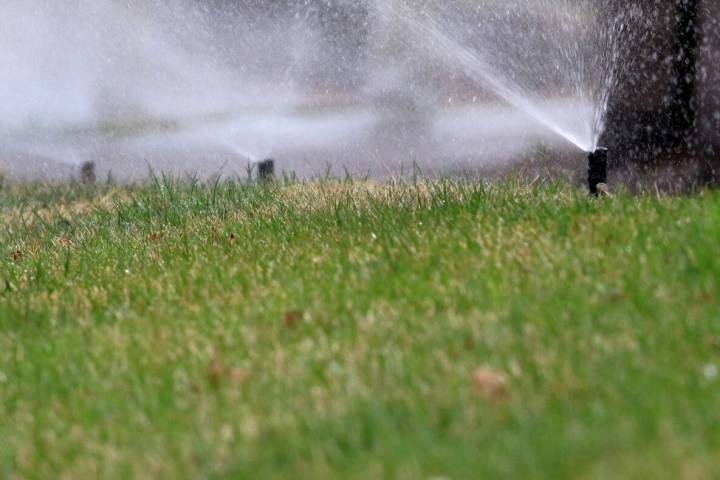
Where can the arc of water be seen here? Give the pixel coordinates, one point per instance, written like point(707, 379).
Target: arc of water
point(427, 29)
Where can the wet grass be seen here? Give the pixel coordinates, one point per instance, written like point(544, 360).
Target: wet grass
point(356, 330)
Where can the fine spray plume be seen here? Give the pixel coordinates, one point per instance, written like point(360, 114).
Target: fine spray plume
point(556, 61)
point(367, 87)
point(185, 87)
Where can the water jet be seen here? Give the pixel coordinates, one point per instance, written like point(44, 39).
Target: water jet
point(597, 170)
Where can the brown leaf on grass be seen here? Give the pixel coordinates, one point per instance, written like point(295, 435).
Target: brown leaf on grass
point(239, 375)
point(707, 297)
point(292, 318)
point(232, 237)
point(17, 255)
point(155, 237)
point(215, 372)
point(491, 383)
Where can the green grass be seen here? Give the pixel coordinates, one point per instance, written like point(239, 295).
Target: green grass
point(331, 330)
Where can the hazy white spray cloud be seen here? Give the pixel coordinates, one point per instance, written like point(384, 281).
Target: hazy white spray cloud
point(68, 63)
point(326, 81)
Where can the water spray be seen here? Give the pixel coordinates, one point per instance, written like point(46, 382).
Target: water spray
point(597, 170)
point(266, 169)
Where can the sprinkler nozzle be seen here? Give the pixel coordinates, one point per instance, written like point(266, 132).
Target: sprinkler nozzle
point(87, 173)
point(266, 169)
point(597, 169)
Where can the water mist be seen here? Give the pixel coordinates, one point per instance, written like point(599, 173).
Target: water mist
point(526, 53)
point(367, 87)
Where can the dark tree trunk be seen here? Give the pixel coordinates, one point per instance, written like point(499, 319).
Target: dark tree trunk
point(654, 117)
point(683, 110)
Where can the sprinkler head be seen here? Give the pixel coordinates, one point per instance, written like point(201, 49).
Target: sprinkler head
point(597, 169)
point(266, 169)
point(87, 173)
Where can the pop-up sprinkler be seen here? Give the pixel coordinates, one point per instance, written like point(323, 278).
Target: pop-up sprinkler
point(266, 169)
point(597, 170)
point(87, 173)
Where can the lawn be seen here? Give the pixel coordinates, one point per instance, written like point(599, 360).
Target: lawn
point(438, 329)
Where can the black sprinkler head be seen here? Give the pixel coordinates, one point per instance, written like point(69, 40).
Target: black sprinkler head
point(266, 169)
point(87, 173)
point(597, 169)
